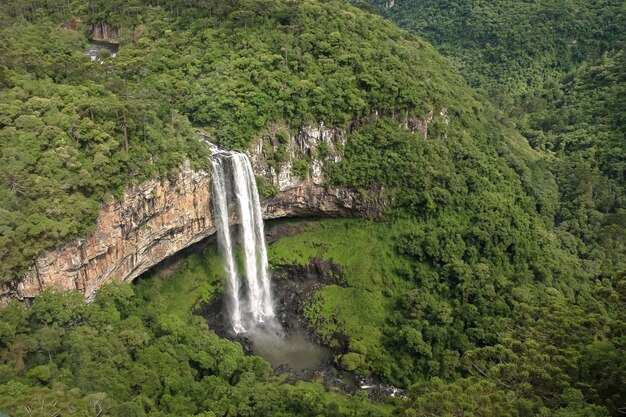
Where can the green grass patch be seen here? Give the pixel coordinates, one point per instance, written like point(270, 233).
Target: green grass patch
point(365, 251)
point(180, 289)
point(363, 248)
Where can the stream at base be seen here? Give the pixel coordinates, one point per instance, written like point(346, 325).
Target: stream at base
point(293, 350)
point(99, 49)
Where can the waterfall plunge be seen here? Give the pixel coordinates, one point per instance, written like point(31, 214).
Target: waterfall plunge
point(234, 182)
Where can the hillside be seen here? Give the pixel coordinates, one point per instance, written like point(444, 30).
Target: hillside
point(509, 48)
point(473, 288)
point(557, 69)
point(87, 129)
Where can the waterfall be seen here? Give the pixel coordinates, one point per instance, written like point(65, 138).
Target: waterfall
point(234, 185)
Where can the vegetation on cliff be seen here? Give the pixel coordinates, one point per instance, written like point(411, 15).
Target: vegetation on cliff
point(494, 284)
point(75, 130)
point(72, 135)
point(557, 69)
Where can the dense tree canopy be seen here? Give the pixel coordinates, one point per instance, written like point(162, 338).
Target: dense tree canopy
point(494, 284)
point(511, 47)
point(75, 132)
point(138, 351)
point(557, 69)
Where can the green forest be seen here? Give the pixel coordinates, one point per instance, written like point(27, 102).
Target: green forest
point(556, 70)
point(492, 284)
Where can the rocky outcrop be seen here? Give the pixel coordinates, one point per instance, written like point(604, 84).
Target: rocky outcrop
point(389, 4)
point(160, 217)
point(104, 32)
point(151, 222)
point(306, 193)
point(314, 146)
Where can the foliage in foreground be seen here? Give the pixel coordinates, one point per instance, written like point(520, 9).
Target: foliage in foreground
point(139, 351)
point(464, 338)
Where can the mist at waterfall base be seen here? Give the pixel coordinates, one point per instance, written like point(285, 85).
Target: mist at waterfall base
point(249, 301)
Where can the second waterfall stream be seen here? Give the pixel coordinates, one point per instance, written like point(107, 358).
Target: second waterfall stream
point(236, 200)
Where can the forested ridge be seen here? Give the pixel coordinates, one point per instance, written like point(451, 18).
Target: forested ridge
point(509, 48)
point(493, 284)
point(234, 69)
point(556, 69)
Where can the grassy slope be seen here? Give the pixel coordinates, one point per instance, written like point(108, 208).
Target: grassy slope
point(179, 291)
point(383, 312)
point(365, 251)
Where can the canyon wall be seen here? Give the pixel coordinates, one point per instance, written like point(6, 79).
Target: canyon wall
point(151, 222)
point(104, 32)
point(160, 217)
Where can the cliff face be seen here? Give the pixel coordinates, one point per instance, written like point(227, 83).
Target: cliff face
point(160, 217)
point(104, 32)
point(308, 195)
point(152, 221)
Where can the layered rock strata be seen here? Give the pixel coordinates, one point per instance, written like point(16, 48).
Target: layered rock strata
point(160, 217)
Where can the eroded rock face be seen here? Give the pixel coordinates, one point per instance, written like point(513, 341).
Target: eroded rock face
point(104, 32)
point(160, 217)
point(153, 221)
point(316, 144)
point(303, 195)
point(309, 195)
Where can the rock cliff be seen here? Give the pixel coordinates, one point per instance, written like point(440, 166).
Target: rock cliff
point(151, 222)
point(104, 32)
point(158, 218)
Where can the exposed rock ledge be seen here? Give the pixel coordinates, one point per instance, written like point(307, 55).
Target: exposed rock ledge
point(160, 217)
point(105, 32)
